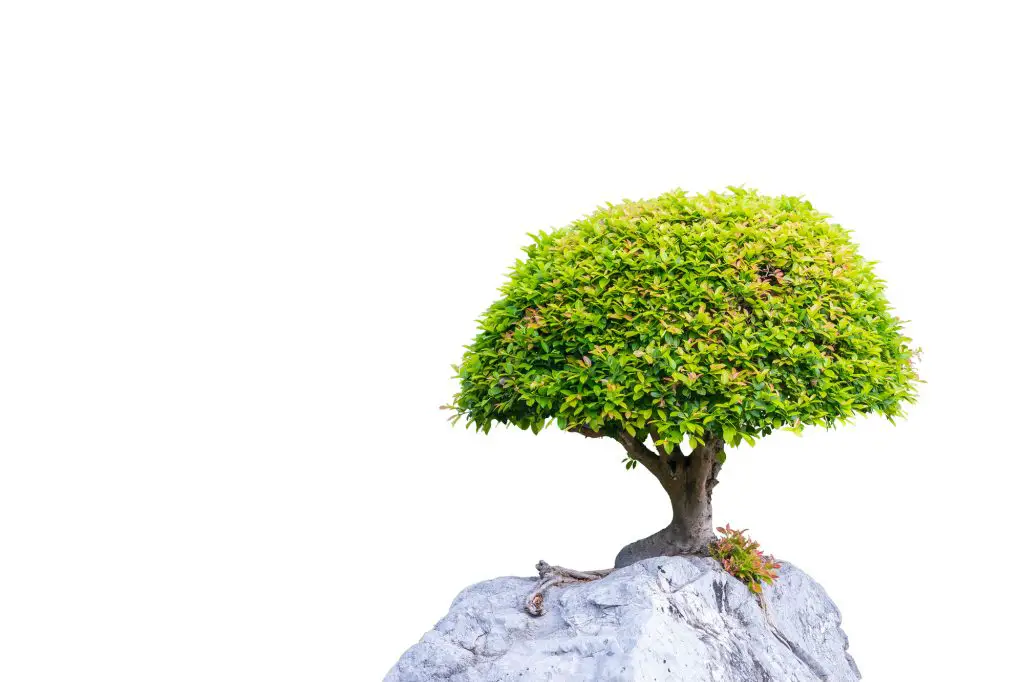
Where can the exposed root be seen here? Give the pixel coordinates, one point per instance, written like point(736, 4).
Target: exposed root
point(554, 576)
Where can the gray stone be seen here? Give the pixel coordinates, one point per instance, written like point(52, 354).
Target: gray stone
point(661, 619)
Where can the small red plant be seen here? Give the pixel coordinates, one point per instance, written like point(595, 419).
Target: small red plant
point(743, 559)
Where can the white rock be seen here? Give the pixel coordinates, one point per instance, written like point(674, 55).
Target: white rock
point(662, 619)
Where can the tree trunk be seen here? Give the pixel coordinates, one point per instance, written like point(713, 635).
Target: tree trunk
point(688, 480)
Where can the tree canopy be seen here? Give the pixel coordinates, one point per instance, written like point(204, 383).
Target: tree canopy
point(731, 314)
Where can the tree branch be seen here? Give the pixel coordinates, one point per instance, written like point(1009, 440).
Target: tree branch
point(636, 449)
point(655, 436)
point(634, 446)
point(585, 431)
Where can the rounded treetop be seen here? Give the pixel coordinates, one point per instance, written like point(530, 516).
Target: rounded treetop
point(730, 313)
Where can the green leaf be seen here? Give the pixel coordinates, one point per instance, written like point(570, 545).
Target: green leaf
point(728, 434)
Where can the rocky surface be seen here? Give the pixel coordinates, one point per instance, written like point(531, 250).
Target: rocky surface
point(662, 619)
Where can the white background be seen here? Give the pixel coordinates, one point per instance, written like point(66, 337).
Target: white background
point(242, 243)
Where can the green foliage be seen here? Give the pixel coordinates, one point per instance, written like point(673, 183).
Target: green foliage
point(743, 559)
point(734, 313)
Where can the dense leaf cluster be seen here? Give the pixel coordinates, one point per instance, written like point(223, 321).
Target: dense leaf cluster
point(732, 312)
point(743, 559)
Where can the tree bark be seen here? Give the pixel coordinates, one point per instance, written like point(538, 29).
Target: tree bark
point(688, 480)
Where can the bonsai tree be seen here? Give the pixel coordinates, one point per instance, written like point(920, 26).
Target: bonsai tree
point(679, 326)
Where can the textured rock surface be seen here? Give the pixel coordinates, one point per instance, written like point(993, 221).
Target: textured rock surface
point(668, 618)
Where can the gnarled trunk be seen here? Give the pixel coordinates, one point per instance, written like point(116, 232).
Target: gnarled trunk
point(688, 480)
